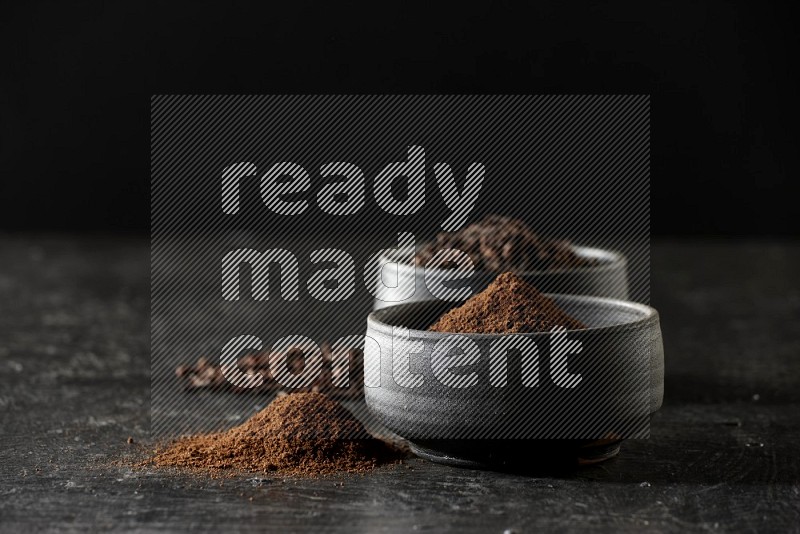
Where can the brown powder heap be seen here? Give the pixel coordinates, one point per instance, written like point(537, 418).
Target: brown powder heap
point(509, 305)
point(297, 434)
point(499, 244)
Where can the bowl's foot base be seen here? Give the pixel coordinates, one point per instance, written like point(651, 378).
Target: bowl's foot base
point(516, 455)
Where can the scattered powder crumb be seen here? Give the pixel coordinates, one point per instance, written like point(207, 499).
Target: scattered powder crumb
point(508, 305)
point(302, 434)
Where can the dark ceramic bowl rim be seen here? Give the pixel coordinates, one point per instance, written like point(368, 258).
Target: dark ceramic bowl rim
point(647, 317)
point(610, 259)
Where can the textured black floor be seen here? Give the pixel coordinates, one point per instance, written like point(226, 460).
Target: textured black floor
point(74, 384)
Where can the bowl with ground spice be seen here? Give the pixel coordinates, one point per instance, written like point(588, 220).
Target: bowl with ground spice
point(514, 375)
point(498, 244)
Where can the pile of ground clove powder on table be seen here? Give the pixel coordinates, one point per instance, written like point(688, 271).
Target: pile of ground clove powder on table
point(498, 244)
point(305, 434)
point(509, 305)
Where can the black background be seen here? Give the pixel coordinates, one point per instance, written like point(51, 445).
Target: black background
point(76, 82)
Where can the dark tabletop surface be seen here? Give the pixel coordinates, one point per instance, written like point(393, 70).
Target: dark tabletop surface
point(75, 384)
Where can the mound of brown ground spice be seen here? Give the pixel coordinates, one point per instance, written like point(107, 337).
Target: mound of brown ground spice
point(498, 244)
point(509, 305)
point(303, 434)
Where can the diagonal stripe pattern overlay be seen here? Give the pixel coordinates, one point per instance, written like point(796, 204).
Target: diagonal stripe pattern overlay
point(270, 216)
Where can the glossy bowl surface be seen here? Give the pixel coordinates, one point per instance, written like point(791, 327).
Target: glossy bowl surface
point(620, 363)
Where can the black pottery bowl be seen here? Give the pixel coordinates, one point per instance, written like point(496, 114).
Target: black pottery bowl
point(501, 399)
point(609, 278)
